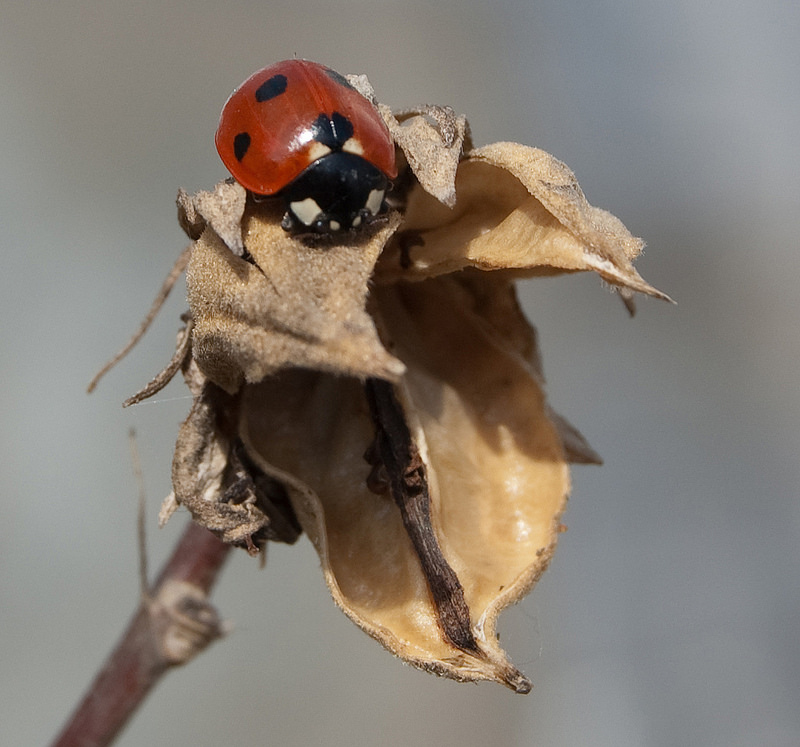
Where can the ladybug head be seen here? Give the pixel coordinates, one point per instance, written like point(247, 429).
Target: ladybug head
point(335, 193)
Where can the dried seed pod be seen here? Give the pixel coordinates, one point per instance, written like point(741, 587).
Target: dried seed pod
point(493, 461)
point(402, 423)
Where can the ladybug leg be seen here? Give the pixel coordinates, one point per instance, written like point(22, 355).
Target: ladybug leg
point(375, 207)
point(319, 223)
point(306, 217)
point(288, 222)
point(324, 224)
point(362, 218)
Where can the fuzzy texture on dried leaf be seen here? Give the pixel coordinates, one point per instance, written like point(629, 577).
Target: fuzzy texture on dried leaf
point(432, 139)
point(199, 467)
point(294, 304)
point(221, 209)
point(213, 481)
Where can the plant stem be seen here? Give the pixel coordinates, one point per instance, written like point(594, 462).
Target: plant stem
point(172, 625)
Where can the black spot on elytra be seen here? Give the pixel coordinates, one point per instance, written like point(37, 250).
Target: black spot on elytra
point(339, 78)
point(240, 145)
point(333, 131)
point(271, 88)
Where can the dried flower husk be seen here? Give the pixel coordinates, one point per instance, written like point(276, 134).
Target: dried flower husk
point(291, 304)
point(320, 346)
point(496, 471)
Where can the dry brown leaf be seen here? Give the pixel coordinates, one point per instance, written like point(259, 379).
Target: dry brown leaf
point(294, 304)
point(221, 210)
point(432, 139)
point(518, 209)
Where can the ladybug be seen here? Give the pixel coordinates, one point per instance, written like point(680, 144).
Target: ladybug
point(300, 131)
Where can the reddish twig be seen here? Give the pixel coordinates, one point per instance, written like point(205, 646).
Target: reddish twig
point(173, 624)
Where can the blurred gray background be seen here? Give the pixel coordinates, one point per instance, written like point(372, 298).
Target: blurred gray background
point(671, 613)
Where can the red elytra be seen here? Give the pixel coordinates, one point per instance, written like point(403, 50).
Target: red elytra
point(266, 136)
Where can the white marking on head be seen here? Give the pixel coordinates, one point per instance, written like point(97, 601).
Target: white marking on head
point(317, 151)
point(306, 211)
point(356, 221)
point(354, 147)
point(374, 201)
point(334, 225)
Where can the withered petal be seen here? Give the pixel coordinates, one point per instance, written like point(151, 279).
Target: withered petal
point(518, 208)
point(199, 466)
point(221, 209)
point(492, 297)
point(431, 138)
point(294, 304)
